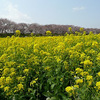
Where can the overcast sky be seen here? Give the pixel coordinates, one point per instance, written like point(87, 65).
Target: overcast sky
point(84, 13)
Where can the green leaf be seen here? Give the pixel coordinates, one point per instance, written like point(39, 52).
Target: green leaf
point(52, 86)
point(31, 98)
point(47, 94)
point(16, 97)
point(40, 86)
point(54, 98)
point(63, 96)
point(33, 92)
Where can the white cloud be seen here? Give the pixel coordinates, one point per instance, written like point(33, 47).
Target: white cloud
point(12, 13)
point(78, 8)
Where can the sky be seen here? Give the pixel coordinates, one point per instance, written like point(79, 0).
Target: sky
point(83, 13)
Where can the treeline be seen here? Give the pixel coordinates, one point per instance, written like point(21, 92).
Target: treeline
point(9, 27)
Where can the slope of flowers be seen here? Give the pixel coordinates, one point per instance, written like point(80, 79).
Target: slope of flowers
point(53, 67)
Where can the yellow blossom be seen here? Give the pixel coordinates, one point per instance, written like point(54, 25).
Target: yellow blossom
point(2, 86)
point(89, 77)
point(76, 86)
point(2, 80)
point(26, 71)
point(98, 73)
point(36, 79)
point(12, 74)
point(6, 89)
point(98, 85)
point(6, 71)
point(87, 63)
point(20, 86)
point(29, 89)
point(84, 73)
point(78, 70)
point(12, 69)
point(20, 78)
point(69, 88)
point(78, 81)
point(66, 65)
point(82, 56)
point(89, 82)
point(32, 83)
point(95, 44)
point(61, 79)
point(8, 80)
point(47, 68)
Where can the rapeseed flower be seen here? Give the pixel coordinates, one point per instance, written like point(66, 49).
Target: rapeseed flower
point(8, 80)
point(84, 73)
point(26, 71)
point(6, 71)
point(98, 85)
point(20, 86)
point(89, 82)
point(47, 68)
point(69, 89)
point(78, 70)
point(87, 63)
point(20, 79)
point(98, 73)
point(2, 80)
point(32, 82)
point(78, 81)
point(95, 44)
point(89, 77)
point(12, 74)
point(6, 89)
point(76, 86)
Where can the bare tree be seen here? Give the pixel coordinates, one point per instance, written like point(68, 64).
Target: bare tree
point(22, 27)
point(7, 26)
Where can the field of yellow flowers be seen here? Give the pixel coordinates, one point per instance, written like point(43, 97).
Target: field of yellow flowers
point(50, 67)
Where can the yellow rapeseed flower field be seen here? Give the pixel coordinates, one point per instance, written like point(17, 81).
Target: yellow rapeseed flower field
point(60, 67)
